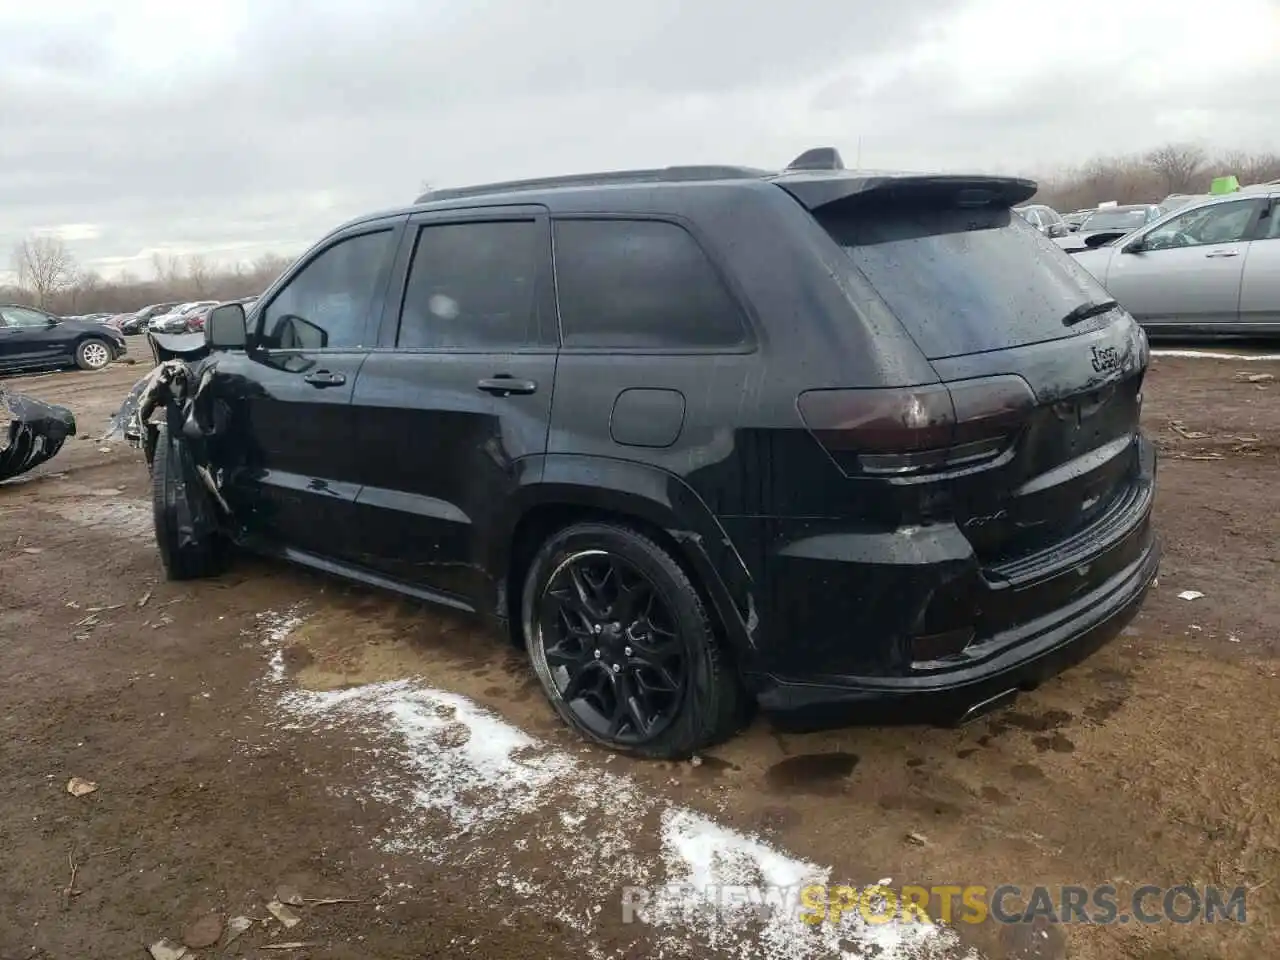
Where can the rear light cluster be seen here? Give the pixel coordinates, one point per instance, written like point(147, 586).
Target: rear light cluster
point(914, 430)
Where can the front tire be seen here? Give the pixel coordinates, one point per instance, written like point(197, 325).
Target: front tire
point(93, 354)
point(623, 647)
point(186, 555)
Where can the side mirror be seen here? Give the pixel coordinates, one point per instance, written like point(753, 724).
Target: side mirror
point(1138, 246)
point(225, 328)
point(1058, 230)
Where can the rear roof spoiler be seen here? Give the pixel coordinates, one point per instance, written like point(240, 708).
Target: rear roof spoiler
point(816, 189)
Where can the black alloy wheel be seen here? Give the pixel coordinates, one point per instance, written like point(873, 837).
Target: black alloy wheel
point(622, 644)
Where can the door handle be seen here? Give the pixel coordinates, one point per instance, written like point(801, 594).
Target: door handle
point(1222, 253)
point(325, 378)
point(503, 385)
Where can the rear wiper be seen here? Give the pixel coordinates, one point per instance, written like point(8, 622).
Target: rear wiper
point(1087, 310)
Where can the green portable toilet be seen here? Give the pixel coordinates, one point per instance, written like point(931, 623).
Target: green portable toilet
point(1227, 184)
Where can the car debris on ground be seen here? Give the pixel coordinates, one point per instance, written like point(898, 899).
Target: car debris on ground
point(31, 432)
point(79, 787)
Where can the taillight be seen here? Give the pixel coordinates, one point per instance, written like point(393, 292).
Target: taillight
point(911, 430)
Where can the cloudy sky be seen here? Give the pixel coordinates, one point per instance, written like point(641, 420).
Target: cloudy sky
point(234, 127)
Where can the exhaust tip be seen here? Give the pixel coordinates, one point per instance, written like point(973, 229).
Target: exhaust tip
point(989, 705)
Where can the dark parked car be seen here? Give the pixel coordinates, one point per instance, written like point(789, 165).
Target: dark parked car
point(32, 339)
point(701, 436)
point(138, 322)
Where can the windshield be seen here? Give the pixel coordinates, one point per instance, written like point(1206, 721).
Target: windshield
point(966, 281)
point(1117, 219)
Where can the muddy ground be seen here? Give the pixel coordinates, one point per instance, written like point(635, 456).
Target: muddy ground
point(221, 776)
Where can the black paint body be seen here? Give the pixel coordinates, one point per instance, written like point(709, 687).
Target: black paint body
point(412, 475)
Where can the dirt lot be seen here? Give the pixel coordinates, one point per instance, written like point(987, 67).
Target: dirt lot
point(277, 727)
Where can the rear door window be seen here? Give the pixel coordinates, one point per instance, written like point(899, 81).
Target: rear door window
point(964, 280)
point(640, 284)
point(474, 286)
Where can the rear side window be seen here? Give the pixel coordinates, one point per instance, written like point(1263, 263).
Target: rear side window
point(640, 284)
point(965, 280)
point(474, 286)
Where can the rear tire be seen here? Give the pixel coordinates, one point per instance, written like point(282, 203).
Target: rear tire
point(653, 680)
point(93, 354)
point(182, 561)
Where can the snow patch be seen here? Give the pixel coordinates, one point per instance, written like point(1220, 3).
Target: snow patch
point(509, 800)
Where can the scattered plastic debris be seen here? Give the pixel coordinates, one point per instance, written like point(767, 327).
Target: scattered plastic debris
point(79, 787)
point(236, 927)
point(1233, 638)
point(287, 917)
point(919, 839)
point(1177, 427)
point(289, 895)
point(142, 600)
point(1190, 595)
point(292, 945)
point(167, 950)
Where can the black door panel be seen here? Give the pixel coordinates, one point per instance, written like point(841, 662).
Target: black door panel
point(457, 396)
point(297, 480)
point(436, 456)
point(295, 476)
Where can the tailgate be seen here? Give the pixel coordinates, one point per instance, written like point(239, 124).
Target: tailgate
point(1077, 456)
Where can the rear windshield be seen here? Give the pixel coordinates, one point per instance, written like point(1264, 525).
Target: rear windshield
point(965, 281)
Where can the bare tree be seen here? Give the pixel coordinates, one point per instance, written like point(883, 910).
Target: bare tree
point(84, 288)
point(167, 268)
point(1180, 165)
point(198, 275)
point(266, 268)
point(44, 266)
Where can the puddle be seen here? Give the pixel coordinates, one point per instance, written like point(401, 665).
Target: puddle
point(817, 773)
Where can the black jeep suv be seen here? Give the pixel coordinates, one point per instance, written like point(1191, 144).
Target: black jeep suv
point(702, 437)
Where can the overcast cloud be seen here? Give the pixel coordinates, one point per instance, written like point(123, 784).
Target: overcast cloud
point(233, 127)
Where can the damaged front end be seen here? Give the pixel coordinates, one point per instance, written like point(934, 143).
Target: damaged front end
point(34, 433)
point(175, 356)
point(172, 416)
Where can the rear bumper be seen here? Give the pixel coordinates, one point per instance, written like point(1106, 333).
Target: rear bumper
point(1022, 660)
point(843, 653)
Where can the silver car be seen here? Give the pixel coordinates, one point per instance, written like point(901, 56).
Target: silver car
point(1210, 269)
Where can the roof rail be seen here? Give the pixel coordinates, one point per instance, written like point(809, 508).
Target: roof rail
point(660, 175)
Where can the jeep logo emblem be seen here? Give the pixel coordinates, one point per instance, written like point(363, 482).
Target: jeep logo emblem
point(1105, 359)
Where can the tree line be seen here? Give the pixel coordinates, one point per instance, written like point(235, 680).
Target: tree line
point(1151, 176)
point(50, 277)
